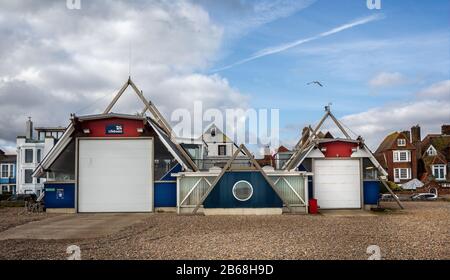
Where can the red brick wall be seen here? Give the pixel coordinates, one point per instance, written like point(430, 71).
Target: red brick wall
point(391, 165)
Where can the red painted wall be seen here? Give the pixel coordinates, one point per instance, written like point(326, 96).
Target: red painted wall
point(98, 127)
point(338, 149)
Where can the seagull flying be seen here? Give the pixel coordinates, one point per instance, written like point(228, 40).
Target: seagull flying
point(315, 82)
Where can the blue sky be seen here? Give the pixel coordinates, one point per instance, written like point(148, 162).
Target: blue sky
point(383, 70)
point(411, 39)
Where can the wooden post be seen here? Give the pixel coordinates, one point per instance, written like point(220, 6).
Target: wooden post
point(339, 125)
point(392, 193)
point(256, 164)
point(118, 95)
point(289, 164)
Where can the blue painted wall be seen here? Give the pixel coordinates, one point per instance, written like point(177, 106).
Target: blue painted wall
point(165, 190)
point(165, 194)
point(371, 192)
point(263, 195)
point(12, 180)
point(7, 181)
point(59, 195)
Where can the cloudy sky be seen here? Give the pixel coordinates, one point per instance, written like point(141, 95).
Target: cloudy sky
point(382, 70)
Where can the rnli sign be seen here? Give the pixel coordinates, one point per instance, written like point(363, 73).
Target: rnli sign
point(114, 129)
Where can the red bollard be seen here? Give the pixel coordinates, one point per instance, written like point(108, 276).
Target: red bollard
point(313, 209)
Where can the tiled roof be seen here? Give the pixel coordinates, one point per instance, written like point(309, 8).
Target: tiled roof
point(282, 149)
point(440, 142)
point(8, 158)
point(387, 142)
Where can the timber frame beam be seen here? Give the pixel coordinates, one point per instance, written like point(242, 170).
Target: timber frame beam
point(299, 147)
point(156, 115)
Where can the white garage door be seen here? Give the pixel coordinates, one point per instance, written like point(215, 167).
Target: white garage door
point(115, 175)
point(337, 184)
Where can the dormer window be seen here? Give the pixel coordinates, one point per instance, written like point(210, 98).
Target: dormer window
point(401, 142)
point(431, 151)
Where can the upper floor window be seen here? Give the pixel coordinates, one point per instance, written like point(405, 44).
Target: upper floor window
point(431, 151)
point(28, 155)
point(439, 171)
point(402, 156)
point(6, 170)
point(401, 142)
point(222, 150)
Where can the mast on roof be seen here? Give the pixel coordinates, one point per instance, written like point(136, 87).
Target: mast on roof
point(300, 147)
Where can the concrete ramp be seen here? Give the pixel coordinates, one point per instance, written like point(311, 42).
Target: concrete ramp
point(76, 226)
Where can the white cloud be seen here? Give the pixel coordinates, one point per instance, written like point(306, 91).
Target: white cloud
point(439, 90)
point(55, 61)
point(242, 17)
point(376, 123)
point(387, 79)
point(290, 45)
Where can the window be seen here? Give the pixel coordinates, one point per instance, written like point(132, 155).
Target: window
point(38, 155)
point(439, 171)
point(401, 142)
point(4, 188)
point(28, 178)
point(7, 171)
point(431, 151)
point(28, 156)
point(4, 171)
point(222, 150)
point(402, 174)
point(242, 190)
point(402, 156)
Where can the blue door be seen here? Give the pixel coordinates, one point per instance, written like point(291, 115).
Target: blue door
point(165, 191)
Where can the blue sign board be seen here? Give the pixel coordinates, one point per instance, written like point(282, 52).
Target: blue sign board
point(114, 129)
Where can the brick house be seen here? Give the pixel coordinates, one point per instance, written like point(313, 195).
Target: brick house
point(398, 156)
point(435, 157)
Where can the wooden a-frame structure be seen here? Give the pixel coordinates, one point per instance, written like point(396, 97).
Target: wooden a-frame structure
point(155, 115)
point(229, 167)
point(303, 146)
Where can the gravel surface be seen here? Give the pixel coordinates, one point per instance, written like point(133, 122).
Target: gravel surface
point(419, 232)
point(15, 216)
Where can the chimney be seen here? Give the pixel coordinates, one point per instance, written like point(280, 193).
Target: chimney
point(407, 135)
point(445, 129)
point(29, 132)
point(415, 134)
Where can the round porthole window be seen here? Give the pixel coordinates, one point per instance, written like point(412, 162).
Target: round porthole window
point(242, 190)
